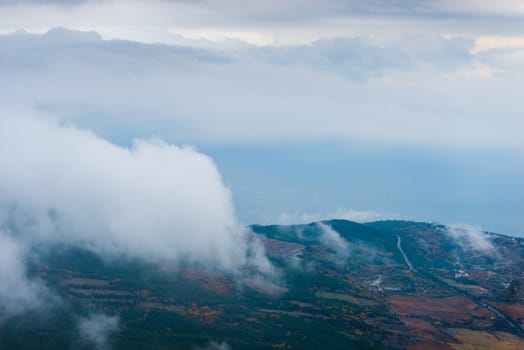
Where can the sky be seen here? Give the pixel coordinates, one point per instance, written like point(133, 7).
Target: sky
point(264, 112)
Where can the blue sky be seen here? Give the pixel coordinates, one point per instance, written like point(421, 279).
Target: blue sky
point(309, 109)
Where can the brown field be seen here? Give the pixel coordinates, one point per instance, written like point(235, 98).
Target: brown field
point(450, 309)
point(204, 313)
point(478, 323)
point(472, 289)
point(422, 334)
point(416, 344)
point(480, 340)
point(215, 283)
point(418, 325)
point(515, 311)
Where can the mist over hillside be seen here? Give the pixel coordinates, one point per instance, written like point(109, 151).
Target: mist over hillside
point(393, 284)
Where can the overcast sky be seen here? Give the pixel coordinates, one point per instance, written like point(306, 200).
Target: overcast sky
point(308, 109)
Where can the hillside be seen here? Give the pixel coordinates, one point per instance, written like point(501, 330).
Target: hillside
point(340, 285)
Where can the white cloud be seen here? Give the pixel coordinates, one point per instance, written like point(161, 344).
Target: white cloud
point(471, 238)
point(264, 285)
point(17, 292)
point(474, 71)
point(150, 20)
point(485, 43)
point(96, 328)
point(481, 7)
point(269, 23)
point(326, 90)
point(331, 239)
point(155, 201)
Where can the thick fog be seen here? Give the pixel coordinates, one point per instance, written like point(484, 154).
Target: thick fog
point(154, 201)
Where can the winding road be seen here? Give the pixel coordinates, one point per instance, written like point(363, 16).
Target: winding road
point(473, 298)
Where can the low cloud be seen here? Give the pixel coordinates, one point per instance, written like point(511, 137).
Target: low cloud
point(157, 201)
point(260, 274)
point(264, 285)
point(96, 329)
point(17, 292)
point(63, 185)
point(470, 237)
point(331, 239)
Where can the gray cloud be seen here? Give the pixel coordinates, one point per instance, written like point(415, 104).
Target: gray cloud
point(327, 89)
point(43, 2)
point(273, 10)
point(270, 22)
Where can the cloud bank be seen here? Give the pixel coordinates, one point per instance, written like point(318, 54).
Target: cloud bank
point(255, 15)
point(433, 90)
point(63, 185)
point(155, 200)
